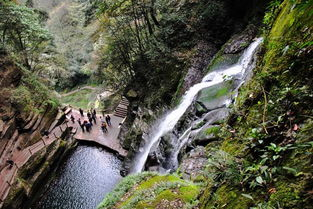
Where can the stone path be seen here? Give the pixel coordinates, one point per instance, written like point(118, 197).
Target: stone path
point(108, 140)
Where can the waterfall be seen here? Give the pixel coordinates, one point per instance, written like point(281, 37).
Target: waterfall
point(168, 121)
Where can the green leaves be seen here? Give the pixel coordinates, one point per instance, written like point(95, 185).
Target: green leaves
point(259, 179)
point(21, 32)
point(248, 196)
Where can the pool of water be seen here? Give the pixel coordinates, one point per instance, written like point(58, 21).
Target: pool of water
point(83, 180)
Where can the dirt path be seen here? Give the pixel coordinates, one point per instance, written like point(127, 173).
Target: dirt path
point(77, 90)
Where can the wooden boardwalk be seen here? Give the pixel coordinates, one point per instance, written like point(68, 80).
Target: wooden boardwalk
point(108, 140)
point(20, 157)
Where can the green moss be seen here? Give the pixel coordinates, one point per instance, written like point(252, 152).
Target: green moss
point(213, 130)
point(157, 179)
point(151, 192)
point(228, 197)
point(287, 195)
point(124, 186)
point(186, 194)
point(215, 92)
point(221, 60)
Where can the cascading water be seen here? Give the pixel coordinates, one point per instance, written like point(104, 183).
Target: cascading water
point(170, 120)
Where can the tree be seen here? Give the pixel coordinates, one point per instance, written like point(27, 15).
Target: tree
point(22, 33)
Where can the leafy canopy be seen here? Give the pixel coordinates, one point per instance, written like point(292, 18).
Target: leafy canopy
point(21, 32)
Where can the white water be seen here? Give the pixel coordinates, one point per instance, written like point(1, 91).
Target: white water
point(182, 141)
point(211, 79)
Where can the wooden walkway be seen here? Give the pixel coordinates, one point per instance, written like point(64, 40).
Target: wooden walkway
point(20, 157)
point(108, 140)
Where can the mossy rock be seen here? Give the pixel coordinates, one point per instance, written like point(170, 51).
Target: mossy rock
point(215, 96)
point(228, 197)
point(155, 191)
point(287, 195)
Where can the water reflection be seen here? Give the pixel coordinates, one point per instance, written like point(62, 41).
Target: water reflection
point(83, 180)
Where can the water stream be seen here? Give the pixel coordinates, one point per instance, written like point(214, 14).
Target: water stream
point(169, 120)
point(83, 180)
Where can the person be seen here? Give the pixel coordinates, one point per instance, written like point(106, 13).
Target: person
point(104, 127)
point(90, 120)
point(81, 125)
point(81, 112)
point(88, 126)
point(72, 119)
point(88, 114)
point(102, 119)
point(85, 125)
point(46, 133)
point(94, 116)
point(108, 120)
point(94, 112)
point(11, 163)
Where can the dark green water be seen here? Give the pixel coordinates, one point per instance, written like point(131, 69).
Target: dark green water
point(83, 180)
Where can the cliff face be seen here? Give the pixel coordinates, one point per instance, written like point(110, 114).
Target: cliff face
point(261, 156)
point(212, 34)
point(22, 120)
point(27, 111)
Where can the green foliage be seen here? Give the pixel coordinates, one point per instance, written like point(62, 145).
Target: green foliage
point(271, 13)
point(271, 129)
point(223, 167)
point(213, 130)
point(152, 192)
point(124, 186)
point(81, 99)
point(22, 33)
point(32, 95)
point(148, 42)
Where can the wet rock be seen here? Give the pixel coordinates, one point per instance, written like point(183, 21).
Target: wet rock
point(216, 115)
point(193, 163)
point(215, 97)
point(241, 41)
point(202, 137)
point(204, 52)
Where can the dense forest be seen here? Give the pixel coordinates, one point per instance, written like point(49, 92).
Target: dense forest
point(217, 98)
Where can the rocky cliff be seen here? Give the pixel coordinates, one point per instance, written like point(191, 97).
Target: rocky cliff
point(28, 111)
point(260, 156)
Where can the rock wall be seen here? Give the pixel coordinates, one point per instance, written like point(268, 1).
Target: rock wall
point(23, 124)
point(19, 128)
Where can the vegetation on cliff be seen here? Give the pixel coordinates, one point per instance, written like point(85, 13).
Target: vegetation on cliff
point(266, 141)
point(264, 153)
point(150, 44)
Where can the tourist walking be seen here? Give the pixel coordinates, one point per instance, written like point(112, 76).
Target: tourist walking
point(90, 120)
point(72, 119)
point(88, 114)
point(88, 126)
point(81, 112)
point(102, 119)
point(108, 120)
point(104, 127)
point(94, 117)
point(81, 125)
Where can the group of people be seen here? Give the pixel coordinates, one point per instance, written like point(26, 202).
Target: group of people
point(92, 118)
